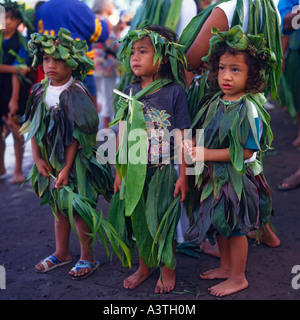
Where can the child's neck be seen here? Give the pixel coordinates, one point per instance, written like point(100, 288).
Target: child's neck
point(229, 98)
point(145, 82)
point(65, 83)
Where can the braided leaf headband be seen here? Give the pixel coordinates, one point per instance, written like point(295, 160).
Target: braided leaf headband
point(162, 48)
point(237, 39)
point(62, 47)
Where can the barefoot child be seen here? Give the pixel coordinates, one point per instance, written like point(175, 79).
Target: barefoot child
point(62, 123)
point(234, 196)
point(154, 105)
point(13, 93)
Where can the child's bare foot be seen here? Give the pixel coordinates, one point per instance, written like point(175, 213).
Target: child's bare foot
point(166, 281)
point(208, 248)
point(218, 273)
point(228, 287)
point(266, 236)
point(137, 278)
point(296, 142)
point(18, 178)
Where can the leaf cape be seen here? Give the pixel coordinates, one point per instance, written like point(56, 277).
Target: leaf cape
point(233, 195)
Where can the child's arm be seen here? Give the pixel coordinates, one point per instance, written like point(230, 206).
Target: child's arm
point(63, 177)
point(200, 46)
point(7, 68)
point(14, 100)
point(216, 155)
point(182, 185)
point(41, 164)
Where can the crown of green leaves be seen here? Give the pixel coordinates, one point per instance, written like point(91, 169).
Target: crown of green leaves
point(61, 47)
point(162, 48)
point(25, 15)
point(255, 44)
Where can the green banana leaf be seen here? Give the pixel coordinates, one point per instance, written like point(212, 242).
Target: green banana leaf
point(98, 225)
point(173, 15)
point(136, 172)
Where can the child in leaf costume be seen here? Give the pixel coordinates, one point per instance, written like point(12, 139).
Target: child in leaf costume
point(234, 197)
point(146, 204)
point(62, 123)
point(14, 86)
point(255, 17)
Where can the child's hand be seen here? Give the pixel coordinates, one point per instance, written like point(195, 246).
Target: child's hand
point(196, 153)
point(62, 179)
point(42, 167)
point(117, 183)
point(24, 70)
point(181, 186)
point(187, 144)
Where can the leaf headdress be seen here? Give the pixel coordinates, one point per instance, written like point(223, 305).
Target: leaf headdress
point(163, 48)
point(62, 47)
point(255, 44)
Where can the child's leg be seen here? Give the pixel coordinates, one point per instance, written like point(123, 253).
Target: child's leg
point(142, 273)
point(166, 281)
point(225, 263)
point(296, 142)
point(237, 281)
point(2, 150)
point(19, 151)
point(105, 122)
point(86, 250)
point(62, 235)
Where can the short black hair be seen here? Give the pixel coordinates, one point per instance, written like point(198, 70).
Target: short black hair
point(14, 11)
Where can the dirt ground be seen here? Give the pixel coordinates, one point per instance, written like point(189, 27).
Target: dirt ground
point(27, 236)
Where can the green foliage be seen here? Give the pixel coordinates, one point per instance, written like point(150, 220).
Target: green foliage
point(62, 47)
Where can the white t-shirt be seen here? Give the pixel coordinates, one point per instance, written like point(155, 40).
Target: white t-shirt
point(229, 8)
point(53, 93)
point(187, 13)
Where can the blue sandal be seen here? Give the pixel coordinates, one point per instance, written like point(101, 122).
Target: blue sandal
point(55, 261)
point(81, 264)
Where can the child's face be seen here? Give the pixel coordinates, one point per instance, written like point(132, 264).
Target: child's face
point(141, 60)
point(11, 22)
point(56, 70)
point(232, 76)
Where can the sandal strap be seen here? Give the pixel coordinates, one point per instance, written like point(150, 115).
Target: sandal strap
point(84, 264)
point(52, 259)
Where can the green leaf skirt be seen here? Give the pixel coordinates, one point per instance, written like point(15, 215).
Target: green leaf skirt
point(154, 219)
